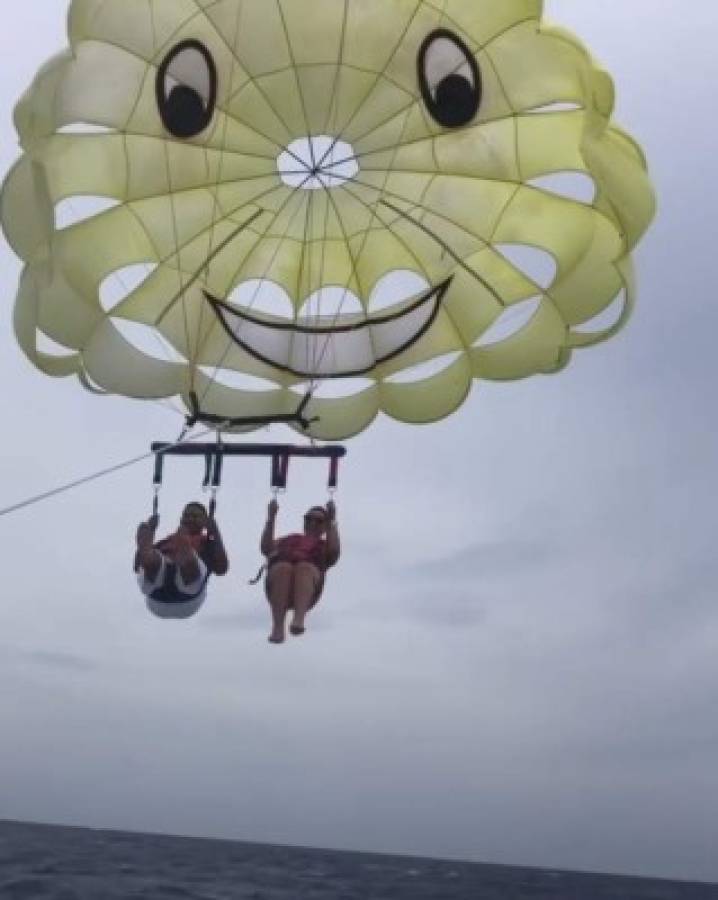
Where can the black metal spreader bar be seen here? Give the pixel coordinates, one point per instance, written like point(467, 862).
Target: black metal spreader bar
point(280, 454)
point(328, 451)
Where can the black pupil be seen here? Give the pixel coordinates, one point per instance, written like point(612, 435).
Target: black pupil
point(185, 111)
point(455, 101)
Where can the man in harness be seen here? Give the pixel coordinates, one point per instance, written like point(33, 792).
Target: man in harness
point(174, 572)
point(297, 565)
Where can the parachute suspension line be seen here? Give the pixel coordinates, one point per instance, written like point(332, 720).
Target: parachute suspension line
point(297, 417)
point(267, 268)
point(317, 360)
point(427, 231)
point(304, 275)
point(447, 249)
point(365, 236)
point(306, 247)
point(312, 234)
point(353, 274)
point(414, 203)
point(396, 145)
point(192, 279)
point(255, 294)
point(182, 441)
point(322, 347)
point(117, 276)
point(175, 229)
point(330, 126)
point(370, 89)
point(308, 223)
point(422, 227)
point(300, 92)
point(225, 243)
point(256, 84)
point(166, 403)
point(216, 206)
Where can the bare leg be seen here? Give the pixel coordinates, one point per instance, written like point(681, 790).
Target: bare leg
point(187, 562)
point(279, 594)
point(306, 579)
point(148, 559)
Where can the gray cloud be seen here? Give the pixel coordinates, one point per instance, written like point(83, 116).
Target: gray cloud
point(53, 659)
point(486, 560)
point(49, 659)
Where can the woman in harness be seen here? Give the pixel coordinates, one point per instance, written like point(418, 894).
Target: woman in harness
point(174, 572)
point(297, 565)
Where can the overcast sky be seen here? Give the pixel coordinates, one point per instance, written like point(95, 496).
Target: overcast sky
point(516, 660)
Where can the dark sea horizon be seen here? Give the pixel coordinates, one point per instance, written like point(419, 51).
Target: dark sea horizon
point(58, 862)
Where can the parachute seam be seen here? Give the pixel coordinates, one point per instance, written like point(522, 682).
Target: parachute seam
point(377, 77)
point(415, 98)
point(355, 262)
point(216, 208)
point(420, 205)
point(124, 137)
point(201, 12)
point(300, 92)
point(332, 115)
point(175, 234)
point(280, 240)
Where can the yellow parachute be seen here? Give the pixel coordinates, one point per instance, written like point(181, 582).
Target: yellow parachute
point(243, 203)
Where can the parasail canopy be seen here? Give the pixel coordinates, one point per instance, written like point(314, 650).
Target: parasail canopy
point(379, 201)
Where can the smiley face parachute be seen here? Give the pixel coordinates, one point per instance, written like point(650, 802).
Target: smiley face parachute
point(375, 201)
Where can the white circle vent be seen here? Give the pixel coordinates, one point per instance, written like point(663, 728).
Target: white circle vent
point(316, 163)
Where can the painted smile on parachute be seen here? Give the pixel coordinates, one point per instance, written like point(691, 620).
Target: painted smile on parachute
point(346, 346)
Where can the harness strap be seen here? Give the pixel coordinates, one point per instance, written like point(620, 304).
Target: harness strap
point(299, 417)
point(280, 471)
point(215, 481)
point(258, 576)
point(334, 473)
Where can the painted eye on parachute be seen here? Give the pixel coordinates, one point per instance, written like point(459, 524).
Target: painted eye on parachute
point(450, 79)
point(187, 89)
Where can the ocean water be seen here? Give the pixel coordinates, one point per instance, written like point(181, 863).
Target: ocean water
point(53, 863)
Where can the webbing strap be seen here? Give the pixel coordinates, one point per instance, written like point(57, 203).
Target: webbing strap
point(334, 473)
point(280, 471)
point(298, 417)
